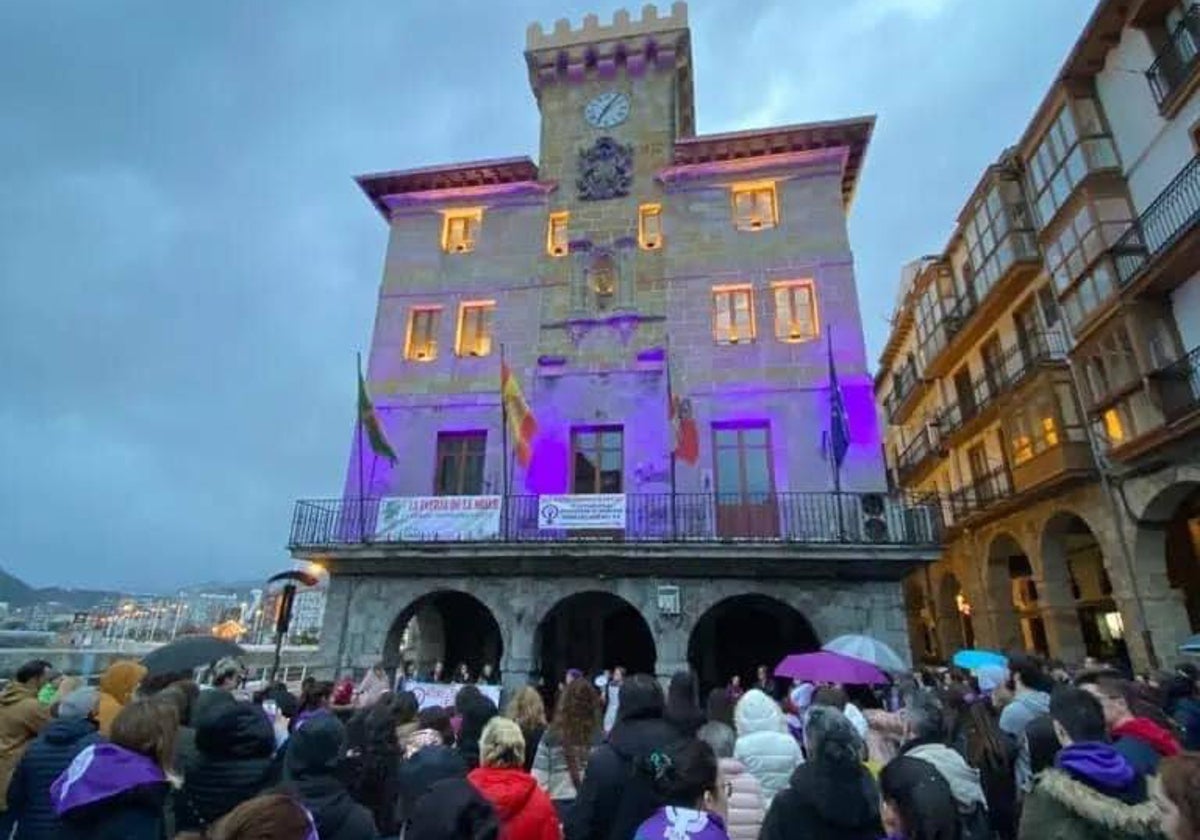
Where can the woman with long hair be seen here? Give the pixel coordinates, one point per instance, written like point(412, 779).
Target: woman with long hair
point(527, 709)
point(562, 755)
point(978, 738)
point(917, 802)
point(371, 762)
point(683, 712)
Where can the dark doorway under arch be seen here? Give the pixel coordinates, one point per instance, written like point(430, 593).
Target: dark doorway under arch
point(1183, 554)
point(738, 634)
point(445, 626)
point(1073, 563)
point(593, 631)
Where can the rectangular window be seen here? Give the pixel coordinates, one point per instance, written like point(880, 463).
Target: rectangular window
point(795, 311)
point(460, 229)
point(597, 460)
point(733, 314)
point(474, 336)
point(1114, 429)
point(650, 226)
point(460, 457)
point(755, 206)
point(556, 234)
point(421, 342)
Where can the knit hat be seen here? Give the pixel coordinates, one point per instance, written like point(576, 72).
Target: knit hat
point(79, 703)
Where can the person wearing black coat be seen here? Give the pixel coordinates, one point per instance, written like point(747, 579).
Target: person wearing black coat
point(612, 801)
point(45, 759)
point(476, 710)
point(310, 767)
point(421, 771)
point(235, 745)
point(832, 796)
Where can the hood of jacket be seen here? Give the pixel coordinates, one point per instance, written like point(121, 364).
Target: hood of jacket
point(1102, 768)
point(756, 712)
point(507, 788)
point(641, 736)
point(962, 777)
point(234, 730)
point(448, 807)
point(845, 797)
point(420, 772)
point(315, 747)
point(16, 692)
point(102, 771)
point(1149, 732)
point(64, 731)
point(1143, 819)
point(121, 678)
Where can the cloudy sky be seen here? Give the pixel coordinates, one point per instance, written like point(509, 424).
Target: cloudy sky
point(186, 267)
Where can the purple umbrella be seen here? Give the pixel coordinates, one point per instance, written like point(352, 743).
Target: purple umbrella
point(825, 666)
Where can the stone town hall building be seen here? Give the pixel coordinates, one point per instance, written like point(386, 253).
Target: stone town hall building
point(635, 257)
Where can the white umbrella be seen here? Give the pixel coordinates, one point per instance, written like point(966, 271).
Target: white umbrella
point(868, 650)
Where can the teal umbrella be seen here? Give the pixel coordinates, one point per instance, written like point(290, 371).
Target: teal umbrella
point(972, 659)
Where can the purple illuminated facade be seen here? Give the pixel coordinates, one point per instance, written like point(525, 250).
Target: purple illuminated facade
point(632, 254)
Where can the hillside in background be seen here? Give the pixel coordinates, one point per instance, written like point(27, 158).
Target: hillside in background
point(20, 594)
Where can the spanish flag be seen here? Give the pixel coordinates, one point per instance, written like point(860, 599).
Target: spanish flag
point(521, 422)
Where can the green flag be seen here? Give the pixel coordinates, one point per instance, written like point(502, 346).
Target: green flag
point(370, 421)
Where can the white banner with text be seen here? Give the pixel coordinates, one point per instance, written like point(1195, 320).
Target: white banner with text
point(602, 511)
point(442, 694)
point(434, 518)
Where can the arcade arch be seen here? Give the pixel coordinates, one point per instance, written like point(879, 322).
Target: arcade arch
point(1074, 574)
point(593, 631)
point(445, 626)
point(738, 634)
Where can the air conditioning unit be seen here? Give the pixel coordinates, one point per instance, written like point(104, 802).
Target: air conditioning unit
point(874, 525)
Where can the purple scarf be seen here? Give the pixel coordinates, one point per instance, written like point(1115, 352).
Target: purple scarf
point(99, 772)
point(1097, 765)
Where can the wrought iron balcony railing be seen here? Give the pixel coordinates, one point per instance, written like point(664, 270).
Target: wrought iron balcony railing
point(1179, 386)
point(981, 494)
point(867, 518)
point(1172, 214)
point(1178, 57)
point(921, 447)
point(904, 382)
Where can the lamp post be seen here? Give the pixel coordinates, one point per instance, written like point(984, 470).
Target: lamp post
point(283, 616)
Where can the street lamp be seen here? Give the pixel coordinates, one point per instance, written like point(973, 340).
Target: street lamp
point(283, 617)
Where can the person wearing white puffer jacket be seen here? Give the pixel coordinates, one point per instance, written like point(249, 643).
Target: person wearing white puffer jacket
point(764, 744)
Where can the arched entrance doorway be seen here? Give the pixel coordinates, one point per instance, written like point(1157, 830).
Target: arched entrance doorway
point(1014, 597)
point(1174, 535)
point(593, 631)
point(446, 626)
point(954, 616)
point(1073, 566)
point(738, 634)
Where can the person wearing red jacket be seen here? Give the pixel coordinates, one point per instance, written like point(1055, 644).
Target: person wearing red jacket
point(1142, 741)
point(525, 810)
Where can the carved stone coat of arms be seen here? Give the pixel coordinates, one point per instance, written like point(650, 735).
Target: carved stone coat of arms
point(605, 170)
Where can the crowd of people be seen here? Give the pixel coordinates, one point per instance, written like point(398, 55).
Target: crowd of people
point(1003, 753)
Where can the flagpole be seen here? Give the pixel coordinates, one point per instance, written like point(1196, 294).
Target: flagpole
point(362, 519)
point(672, 417)
point(837, 466)
point(503, 447)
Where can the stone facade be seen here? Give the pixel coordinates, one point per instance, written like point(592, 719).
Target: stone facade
point(596, 325)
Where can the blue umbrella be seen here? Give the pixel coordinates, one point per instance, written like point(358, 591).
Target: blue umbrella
point(1192, 645)
point(972, 659)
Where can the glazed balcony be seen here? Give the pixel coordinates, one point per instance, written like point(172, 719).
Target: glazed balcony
point(1178, 387)
point(1052, 466)
point(937, 359)
point(903, 398)
point(653, 518)
point(1166, 410)
point(1161, 249)
point(918, 457)
point(1175, 67)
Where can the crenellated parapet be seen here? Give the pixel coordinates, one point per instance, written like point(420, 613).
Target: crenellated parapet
point(652, 42)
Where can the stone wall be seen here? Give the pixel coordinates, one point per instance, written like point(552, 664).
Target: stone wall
point(363, 610)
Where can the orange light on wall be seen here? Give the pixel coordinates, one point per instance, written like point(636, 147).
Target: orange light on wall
point(962, 604)
point(556, 234)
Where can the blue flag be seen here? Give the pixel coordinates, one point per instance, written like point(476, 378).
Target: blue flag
point(839, 429)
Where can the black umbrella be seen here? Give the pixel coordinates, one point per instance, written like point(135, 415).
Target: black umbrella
point(188, 653)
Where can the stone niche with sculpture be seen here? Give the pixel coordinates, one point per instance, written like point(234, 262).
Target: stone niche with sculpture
point(603, 285)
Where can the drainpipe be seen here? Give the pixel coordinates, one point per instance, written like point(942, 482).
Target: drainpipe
point(1110, 495)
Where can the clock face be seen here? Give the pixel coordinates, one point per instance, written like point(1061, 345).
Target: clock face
point(607, 109)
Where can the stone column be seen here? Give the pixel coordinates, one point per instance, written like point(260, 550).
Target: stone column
point(581, 254)
point(1062, 631)
point(626, 248)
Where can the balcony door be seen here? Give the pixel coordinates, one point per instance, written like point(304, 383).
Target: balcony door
point(598, 456)
point(977, 462)
point(460, 457)
point(993, 367)
point(745, 482)
point(964, 391)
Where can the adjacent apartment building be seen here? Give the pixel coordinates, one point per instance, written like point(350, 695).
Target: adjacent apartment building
point(1042, 376)
point(641, 290)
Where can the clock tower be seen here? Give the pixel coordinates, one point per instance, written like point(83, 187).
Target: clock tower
point(613, 99)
